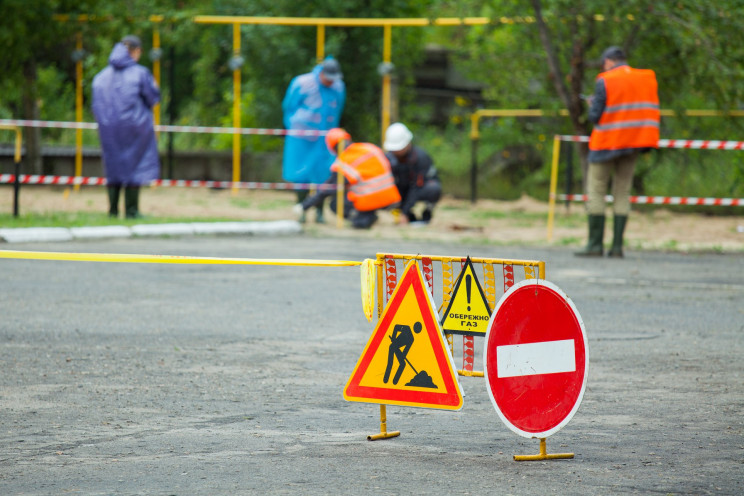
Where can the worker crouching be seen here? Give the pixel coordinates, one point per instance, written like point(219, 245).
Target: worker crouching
point(368, 178)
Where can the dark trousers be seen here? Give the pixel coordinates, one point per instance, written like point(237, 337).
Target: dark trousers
point(359, 220)
point(429, 193)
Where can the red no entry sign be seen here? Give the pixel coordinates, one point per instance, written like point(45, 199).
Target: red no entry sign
point(536, 358)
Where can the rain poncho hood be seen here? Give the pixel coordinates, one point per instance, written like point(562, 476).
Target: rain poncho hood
point(123, 96)
point(308, 104)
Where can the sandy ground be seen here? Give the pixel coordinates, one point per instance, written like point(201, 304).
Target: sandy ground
point(520, 222)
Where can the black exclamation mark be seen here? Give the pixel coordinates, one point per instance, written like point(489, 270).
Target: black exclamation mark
point(467, 288)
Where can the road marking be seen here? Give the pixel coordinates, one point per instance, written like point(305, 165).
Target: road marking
point(547, 357)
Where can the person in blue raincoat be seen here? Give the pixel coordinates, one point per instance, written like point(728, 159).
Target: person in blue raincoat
point(313, 101)
point(123, 96)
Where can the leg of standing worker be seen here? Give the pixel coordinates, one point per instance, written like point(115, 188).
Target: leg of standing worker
point(113, 196)
point(598, 177)
point(131, 202)
point(622, 182)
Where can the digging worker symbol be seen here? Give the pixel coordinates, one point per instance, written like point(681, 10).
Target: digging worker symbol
point(401, 342)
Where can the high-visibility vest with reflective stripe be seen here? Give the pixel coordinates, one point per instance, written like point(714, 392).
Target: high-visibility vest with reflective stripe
point(368, 171)
point(631, 115)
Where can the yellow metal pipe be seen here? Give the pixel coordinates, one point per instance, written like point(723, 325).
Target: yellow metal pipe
point(543, 454)
point(461, 21)
point(384, 434)
point(387, 43)
point(553, 185)
point(78, 109)
point(156, 73)
point(380, 284)
point(474, 126)
point(438, 258)
point(340, 190)
point(320, 43)
point(18, 145)
point(470, 373)
point(311, 21)
point(541, 270)
point(236, 111)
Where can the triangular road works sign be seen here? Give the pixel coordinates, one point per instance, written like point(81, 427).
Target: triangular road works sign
point(406, 361)
point(468, 311)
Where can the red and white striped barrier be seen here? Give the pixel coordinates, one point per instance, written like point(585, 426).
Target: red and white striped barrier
point(53, 180)
point(676, 143)
point(169, 129)
point(666, 200)
point(179, 183)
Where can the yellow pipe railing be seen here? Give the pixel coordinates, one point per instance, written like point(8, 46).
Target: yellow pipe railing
point(78, 107)
point(17, 162)
point(236, 110)
point(156, 72)
point(553, 185)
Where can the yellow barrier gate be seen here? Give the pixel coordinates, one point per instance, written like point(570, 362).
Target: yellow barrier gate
point(446, 269)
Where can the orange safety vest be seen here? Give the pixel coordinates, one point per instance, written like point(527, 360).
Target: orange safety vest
point(631, 115)
point(368, 171)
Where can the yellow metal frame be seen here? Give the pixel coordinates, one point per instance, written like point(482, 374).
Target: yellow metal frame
point(236, 111)
point(529, 266)
point(340, 190)
point(543, 455)
point(476, 116)
point(17, 162)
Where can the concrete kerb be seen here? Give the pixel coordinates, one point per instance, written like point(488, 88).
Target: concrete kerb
point(52, 234)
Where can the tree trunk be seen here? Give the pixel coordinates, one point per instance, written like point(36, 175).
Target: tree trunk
point(31, 135)
point(570, 94)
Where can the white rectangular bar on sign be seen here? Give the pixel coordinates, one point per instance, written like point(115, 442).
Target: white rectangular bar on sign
point(547, 357)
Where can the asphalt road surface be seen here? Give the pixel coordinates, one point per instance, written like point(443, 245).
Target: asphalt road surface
point(197, 379)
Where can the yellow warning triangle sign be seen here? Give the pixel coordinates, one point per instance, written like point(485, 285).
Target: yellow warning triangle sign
point(405, 361)
point(468, 311)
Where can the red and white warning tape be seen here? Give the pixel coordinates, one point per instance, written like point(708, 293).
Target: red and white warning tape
point(101, 181)
point(666, 200)
point(677, 143)
point(169, 129)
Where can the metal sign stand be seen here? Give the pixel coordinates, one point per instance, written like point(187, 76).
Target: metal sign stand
point(543, 454)
point(384, 434)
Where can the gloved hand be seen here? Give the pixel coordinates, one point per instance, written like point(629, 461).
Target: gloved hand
point(298, 209)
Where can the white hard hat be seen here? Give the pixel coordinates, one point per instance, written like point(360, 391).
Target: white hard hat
point(397, 137)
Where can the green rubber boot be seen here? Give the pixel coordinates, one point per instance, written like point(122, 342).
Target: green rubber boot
point(131, 202)
point(618, 229)
point(113, 197)
point(594, 246)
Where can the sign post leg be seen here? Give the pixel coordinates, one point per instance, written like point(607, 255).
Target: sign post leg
point(543, 454)
point(384, 434)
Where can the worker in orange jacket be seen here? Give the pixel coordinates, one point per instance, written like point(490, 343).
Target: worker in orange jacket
point(369, 179)
point(625, 111)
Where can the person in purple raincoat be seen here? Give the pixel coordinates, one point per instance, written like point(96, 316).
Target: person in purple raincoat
point(313, 101)
point(123, 96)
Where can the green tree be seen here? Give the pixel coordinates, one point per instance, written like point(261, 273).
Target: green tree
point(30, 40)
point(546, 54)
